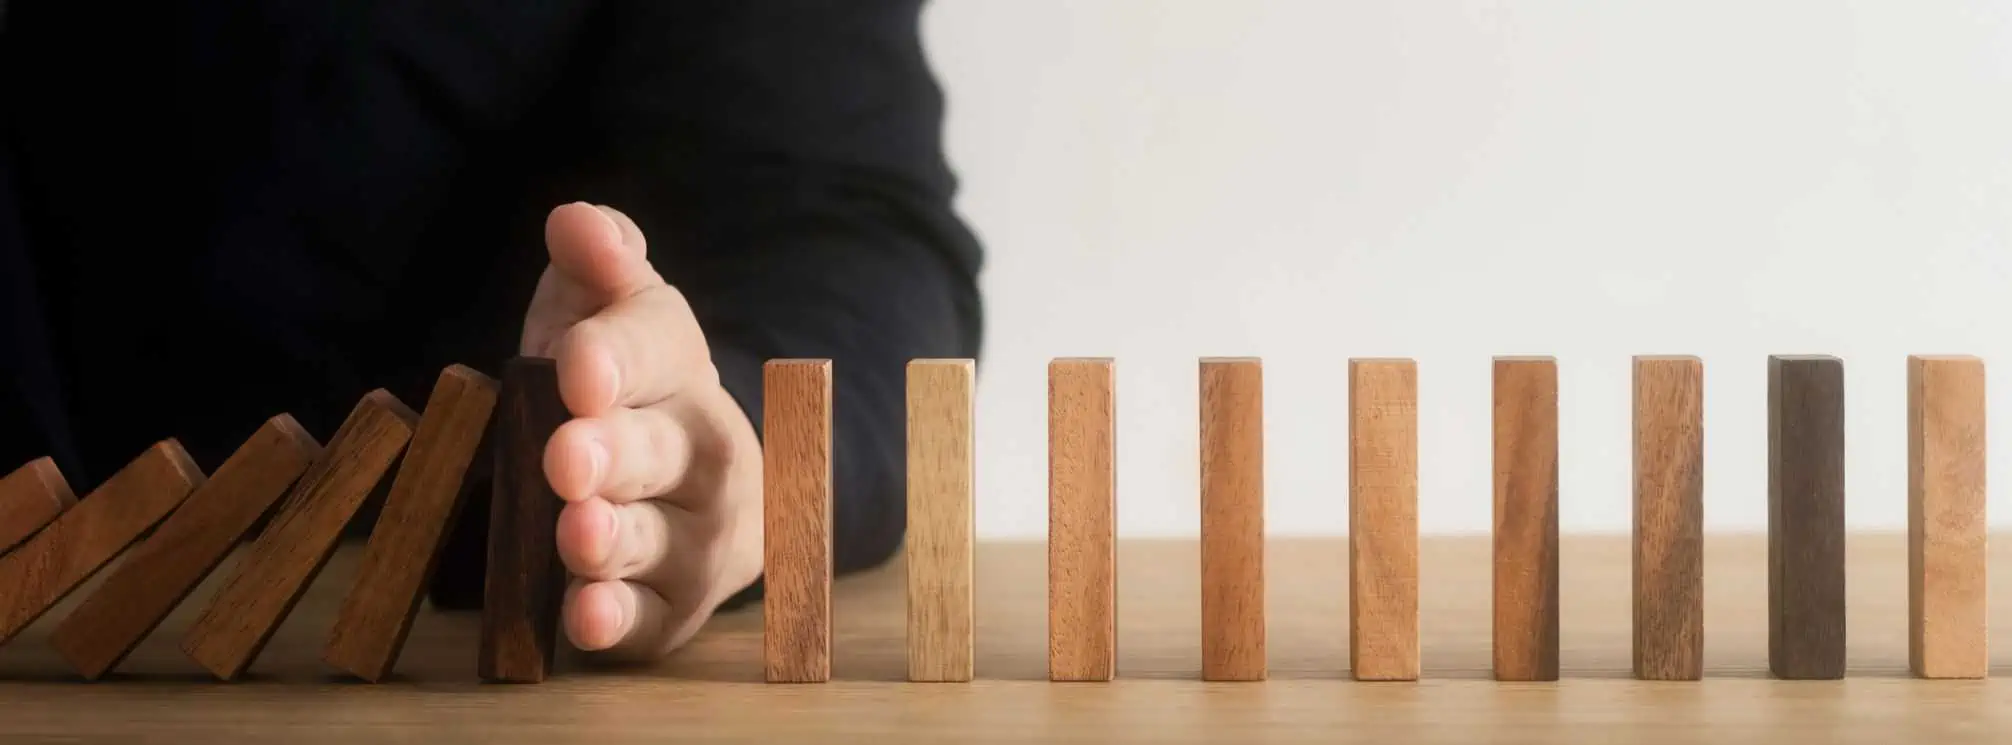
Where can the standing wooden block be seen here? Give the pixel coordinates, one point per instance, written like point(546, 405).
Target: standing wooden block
point(162, 571)
point(1946, 623)
point(1526, 518)
point(524, 582)
point(51, 564)
point(1082, 512)
point(1806, 628)
point(1232, 496)
point(1383, 519)
point(272, 575)
point(940, 520)
point(31, 497)
point(1669, 465)
point(425, 497)
point(796, 504)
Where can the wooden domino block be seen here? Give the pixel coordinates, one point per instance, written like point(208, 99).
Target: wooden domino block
point(1383, 519)
point(940, 521)
point(273, 574)
point(31, 497)
point(404, 547)
point(1669, 513)
point(1082, 512)
point(796, 504)
point(51, 564)
point(1806, 627)
point(1526, 518)
point(1232, 519)
point(525, 581)
point(1946, 616)
point(161, 572)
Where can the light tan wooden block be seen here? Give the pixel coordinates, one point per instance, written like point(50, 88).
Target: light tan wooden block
point(1526, 518)
point(1232, 517)
point(1082, 511)
point(796, 480)
point(940, 521)
point(1946, 624)
point(1383, 519)
point(1669, 514)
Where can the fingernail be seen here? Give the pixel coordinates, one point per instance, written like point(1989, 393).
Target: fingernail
point(597, 462)
point(608, 214)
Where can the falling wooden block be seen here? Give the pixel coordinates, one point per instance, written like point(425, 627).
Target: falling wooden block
point(276, 570)
point(161, 572)
point(1383, 519)
point(30, 498)
point(1232, 517)
point(796, 504)
point(1669, 465)
point(1526, 518)
point(1946, 616)
point(51, 564)
point(425, 498)
point(1806, 627)
point(940, 520)
point(1082, 511)
point(525, 581)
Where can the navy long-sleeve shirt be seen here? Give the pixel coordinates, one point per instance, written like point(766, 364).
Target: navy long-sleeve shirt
point(214, 212)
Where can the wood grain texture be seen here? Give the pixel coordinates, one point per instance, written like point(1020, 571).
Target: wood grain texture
point(273, 573)
point(52, 563)
point(796, 485)
point(1232, 519)
point(30, 497)
point(524, 581)
point(1082, 520)
point(425, 498)
point(1669, 517)
point(940, 520)
point(1383, 519)
point(1946, 629)
point(1526, 518)
point(1806, 623)
point(161, 572)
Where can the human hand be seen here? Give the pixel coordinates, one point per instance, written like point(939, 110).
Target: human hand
point(660, 468)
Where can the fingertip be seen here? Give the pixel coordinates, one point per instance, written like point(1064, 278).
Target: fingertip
point(586, 537)
point(600, 615)
point(577, 459)
point(590, 379)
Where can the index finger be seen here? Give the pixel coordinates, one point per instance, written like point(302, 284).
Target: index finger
point(636, 352)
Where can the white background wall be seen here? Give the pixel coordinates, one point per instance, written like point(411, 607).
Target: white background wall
point(1310, 180)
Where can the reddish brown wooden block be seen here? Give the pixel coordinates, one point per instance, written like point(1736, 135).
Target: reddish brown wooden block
point(1232, 512)
point(371, 626)
point(30, 497)
point(50, 565)
point(1383, 519)
point(796, 595)
point(1947, 616)
point(162, 571)
point(273, 574)
point(1082, 512)
point(1669, 568)
point(1526, 518)
point(525, 581)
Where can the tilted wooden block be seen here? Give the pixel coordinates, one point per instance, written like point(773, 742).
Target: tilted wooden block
point(525, 581)
point(276, 570)
point(1082, 512)
point(1669, 513)
point(1232, 519)
point(425, 498)
point(940, 527)
point(161, 572)
point(796, 509)
point(1526, 518)
point(31, 497)
point(1383, 519)
point(51, 564)
point(1806, 626)
point(1947, 624)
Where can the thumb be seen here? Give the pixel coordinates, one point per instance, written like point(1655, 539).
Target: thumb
point(600, 252)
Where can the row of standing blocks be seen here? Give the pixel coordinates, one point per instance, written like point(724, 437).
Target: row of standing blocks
point(175, 525)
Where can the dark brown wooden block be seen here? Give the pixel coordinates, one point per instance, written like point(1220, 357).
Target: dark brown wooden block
point(526, 581)
point(796, 509)
point(1806, 628)
point(276, 570)
point(1669, 561)
point(1526, 518)
point(162, 571)
point(31, 497)
point(49, 566)
point(404, 548)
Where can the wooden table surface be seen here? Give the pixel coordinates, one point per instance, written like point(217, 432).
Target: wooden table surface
point(712, 691)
